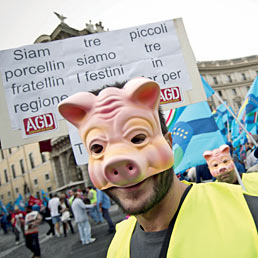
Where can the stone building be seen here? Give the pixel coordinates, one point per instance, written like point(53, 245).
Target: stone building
point(25, 170)
point(231, 79)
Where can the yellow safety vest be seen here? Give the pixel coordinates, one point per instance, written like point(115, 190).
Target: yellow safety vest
point(94, 196)
point(250, 181)
point(214, 222)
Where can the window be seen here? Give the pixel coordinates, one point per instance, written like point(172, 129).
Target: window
point(6, 176)
point(17, 190)
point(215, 80)
point(247, 88)
point(2, 196)
point(13, 171)
point(9, 193)
point(31, 161)
point(220, 93)
point(36, 181)
point(22, 166)
point(234, 92)
point(10, 151)
point(229, 78)
point(47, 176)
point(2, 154)
point(49, 189)
point(238, 104)
point(43, 157)
point(244, 76)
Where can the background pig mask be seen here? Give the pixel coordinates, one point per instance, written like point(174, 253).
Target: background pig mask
point(221, 164)
point(121, 131)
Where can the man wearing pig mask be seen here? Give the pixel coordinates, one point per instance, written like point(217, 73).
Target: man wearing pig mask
point(130, 158)
point(222, 167)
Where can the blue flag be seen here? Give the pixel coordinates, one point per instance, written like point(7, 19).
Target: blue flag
point(194, 132)
point(208, 89)
point(20, 203)
point(248, 113)
point(223, 119)
point(3, 209)
point(44, 197)
point(9, 207)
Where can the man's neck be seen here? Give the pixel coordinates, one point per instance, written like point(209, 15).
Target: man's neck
point(159, 217)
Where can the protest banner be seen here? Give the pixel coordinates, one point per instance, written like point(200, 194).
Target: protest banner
point(35, 78)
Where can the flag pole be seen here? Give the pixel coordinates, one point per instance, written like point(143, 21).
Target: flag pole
point(237, 120)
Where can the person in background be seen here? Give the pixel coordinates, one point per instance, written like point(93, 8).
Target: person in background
point(222, 167)
point(53, 205)
point(47, 217)
point(3, 222)
point(17, 220)
point(82, 220)
point(104, 204)
point(94, 212)
point(32, 220)
point(65, 211)
point(251, 160)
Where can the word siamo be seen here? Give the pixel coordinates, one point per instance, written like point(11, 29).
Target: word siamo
point(170, 95)
point(38, 124)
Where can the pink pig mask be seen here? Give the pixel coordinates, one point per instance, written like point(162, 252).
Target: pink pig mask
point(219, 160)
point(121, 131)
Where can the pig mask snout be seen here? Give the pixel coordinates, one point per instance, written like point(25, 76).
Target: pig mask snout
point(122, 171)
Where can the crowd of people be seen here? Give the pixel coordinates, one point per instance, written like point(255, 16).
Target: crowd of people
point(59, 212)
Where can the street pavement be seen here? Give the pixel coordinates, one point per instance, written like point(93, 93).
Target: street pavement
point(64, 247)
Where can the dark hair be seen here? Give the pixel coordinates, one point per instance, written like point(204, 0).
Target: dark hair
point(120, 85)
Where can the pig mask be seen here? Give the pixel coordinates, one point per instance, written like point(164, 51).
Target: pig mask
point(219, 160)
point(121, 131)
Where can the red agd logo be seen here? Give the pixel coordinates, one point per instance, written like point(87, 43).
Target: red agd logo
point(170, 95)
point(38, 124)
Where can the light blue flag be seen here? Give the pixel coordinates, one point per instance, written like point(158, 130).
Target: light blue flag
point(194, 132)
point(9, 207)
point(208, 89)
point(248, 113)
point(20, 203)
point(44, 197)
point(3, 209)
point(223, 119)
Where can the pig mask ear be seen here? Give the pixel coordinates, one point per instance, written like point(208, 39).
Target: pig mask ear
point(224, 149)
point(207, 154)
point(143, 91)
point(76, 107)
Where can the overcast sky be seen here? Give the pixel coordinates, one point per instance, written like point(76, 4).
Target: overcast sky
point(220, 29)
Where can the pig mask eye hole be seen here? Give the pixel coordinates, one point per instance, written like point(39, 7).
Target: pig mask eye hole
point(96, 148)
point(138, 139)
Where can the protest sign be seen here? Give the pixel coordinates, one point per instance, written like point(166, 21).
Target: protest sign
point(35, 78)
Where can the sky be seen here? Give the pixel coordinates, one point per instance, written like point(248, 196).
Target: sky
point(217, 30)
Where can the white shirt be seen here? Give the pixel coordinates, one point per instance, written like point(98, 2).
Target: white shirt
point(53, 206)
point(79, 210)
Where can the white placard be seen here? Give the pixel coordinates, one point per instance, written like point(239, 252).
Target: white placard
point(79, 151)
point(37, 77)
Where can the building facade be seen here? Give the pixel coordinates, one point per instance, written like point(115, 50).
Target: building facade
point(25, 170)
point(231, 79)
